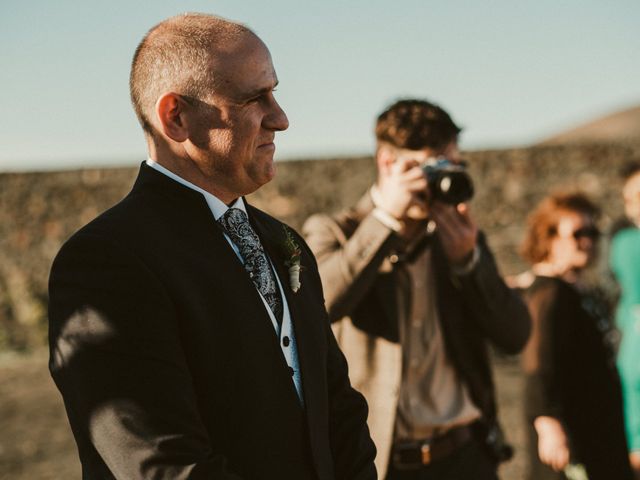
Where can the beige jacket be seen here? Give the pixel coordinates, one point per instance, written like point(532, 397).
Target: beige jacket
point(374, 362)
point(368, 295)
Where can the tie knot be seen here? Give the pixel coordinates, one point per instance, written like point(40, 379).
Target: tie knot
point(235, 220)
point(234, 214)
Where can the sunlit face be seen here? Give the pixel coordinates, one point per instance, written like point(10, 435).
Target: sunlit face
point(631, 195)
point(573, 246)
point(234, 135)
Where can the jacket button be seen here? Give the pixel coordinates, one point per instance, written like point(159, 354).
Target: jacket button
point(286, 341)
point(291, 371)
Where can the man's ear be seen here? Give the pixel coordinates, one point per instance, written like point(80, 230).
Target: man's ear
point(170, 112)
point(386, 155)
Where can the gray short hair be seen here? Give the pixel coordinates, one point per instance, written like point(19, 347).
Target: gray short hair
point(176, 55)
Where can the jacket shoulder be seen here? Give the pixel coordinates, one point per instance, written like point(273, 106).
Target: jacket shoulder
point(341, 225)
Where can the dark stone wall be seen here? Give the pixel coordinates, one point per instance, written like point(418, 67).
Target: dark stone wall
point(38, 211)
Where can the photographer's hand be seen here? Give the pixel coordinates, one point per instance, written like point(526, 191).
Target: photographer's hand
point(400, 186)
point(457, 230)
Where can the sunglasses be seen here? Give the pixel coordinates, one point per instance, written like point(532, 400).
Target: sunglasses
point(584, 232)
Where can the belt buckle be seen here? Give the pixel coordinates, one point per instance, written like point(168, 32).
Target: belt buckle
point(425, 452)
point(407, 456)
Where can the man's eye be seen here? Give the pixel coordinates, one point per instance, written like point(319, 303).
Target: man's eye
point(262, 96)
point(255, 99)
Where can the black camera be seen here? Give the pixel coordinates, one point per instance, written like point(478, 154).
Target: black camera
point(448, 182)
point(494, 441)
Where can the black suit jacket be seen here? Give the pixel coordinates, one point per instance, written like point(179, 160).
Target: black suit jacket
point(167, 360)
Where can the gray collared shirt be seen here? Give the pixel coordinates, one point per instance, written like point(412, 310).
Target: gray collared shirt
point(432, 397)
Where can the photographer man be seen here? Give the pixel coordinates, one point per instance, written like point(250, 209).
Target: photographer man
point(409, 267)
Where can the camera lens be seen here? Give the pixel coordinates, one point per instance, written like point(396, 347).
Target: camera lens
point(452, 187)
point(448, 181)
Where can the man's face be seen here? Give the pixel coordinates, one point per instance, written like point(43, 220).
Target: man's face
point(233, 135)
point(631, 195)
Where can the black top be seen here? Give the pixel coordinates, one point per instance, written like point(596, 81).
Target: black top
point(571, 375)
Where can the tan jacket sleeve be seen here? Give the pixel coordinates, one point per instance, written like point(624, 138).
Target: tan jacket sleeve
point(348, 266)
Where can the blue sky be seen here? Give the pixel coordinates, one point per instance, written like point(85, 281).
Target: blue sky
point(510, 72)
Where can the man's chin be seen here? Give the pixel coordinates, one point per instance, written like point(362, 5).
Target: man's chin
point(265, 174)
point(270, 170)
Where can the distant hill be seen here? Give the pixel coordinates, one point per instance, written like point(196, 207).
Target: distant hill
point(620, 126)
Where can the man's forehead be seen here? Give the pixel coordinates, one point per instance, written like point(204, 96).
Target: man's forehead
point(422, 154)
point(237, 52)
point(425, 153)
point(247, 68)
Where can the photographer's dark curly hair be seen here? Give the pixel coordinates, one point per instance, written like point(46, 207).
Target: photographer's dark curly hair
point(416, 124)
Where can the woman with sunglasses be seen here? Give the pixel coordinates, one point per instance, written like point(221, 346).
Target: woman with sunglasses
point(572, 390)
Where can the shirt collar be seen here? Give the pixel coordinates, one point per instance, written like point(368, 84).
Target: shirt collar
point(217, 206)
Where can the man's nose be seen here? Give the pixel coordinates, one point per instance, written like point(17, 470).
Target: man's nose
point(276, 119)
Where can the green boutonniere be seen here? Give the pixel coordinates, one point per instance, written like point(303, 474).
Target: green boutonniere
point(293, 254)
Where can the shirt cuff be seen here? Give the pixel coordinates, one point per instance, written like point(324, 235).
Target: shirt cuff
point(466, 268)
point(388, 220)
point(382, 215)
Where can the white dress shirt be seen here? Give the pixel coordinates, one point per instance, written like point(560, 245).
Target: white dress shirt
point(285, 332)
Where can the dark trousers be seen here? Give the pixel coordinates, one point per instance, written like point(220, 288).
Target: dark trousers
point(469, 462)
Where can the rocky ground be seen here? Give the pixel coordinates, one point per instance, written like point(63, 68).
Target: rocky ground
point(36, 442)
point(35, 439)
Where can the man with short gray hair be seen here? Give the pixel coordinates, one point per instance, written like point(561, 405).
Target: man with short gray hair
point(188, 332)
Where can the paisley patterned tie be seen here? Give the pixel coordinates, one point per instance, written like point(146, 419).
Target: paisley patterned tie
point(236, 224)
